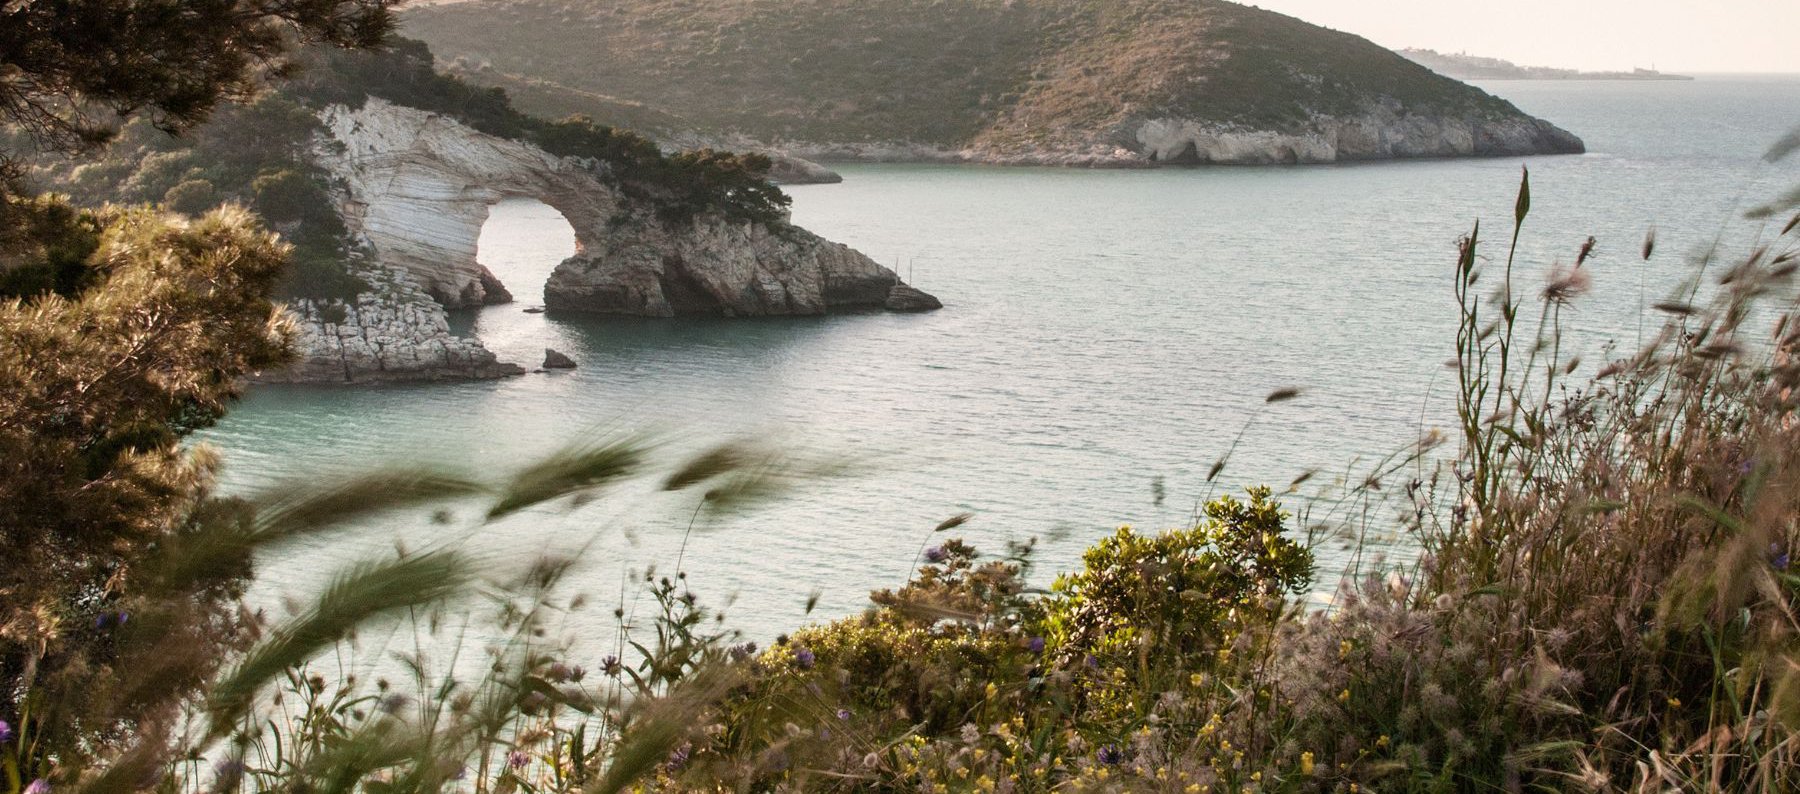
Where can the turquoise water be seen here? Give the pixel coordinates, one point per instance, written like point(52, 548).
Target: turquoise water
point(1102, 330)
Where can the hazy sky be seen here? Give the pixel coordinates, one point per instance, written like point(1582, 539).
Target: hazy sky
point(1673, 35)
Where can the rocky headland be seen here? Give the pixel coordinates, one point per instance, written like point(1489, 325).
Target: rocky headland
point(1124, 83)
point(414, 188)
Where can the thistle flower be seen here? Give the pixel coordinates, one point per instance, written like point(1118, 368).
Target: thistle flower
point(1035, 645)
point(6, 732)
point(517, 759)
point(936, 554)
point(804, 659)
point(843, 714)
point(1109, 756)
point(38, 786)
point(611, 666)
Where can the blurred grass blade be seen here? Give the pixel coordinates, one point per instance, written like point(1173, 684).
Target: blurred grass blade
point(364, 591)
point(1282, 395)
point(1783, 147)
point(953, 522)
point(707, 465)
point(572, 471)
point(766, 478)
point(295, 509)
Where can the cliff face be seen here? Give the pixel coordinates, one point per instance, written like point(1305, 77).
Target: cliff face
point(394, 332)
point(414, 189)
point(417, 187)
point(1061, 82)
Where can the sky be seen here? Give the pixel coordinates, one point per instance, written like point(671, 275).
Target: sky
point(1671, 35)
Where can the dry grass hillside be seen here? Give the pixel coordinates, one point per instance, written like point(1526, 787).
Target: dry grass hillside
point(1001, 73)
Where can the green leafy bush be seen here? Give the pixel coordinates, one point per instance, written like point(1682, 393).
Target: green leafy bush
point(1174, 594)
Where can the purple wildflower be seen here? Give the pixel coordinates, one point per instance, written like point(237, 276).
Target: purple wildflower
point(558, 672)
point(517, 759)
point(804, 658)
point(679, 757)
point(6, 732)
point(228, 770)
point(1035, 645)
point(1109, 756)
point(38, 786)
point(610, 665)
point(843, 714)
point(743, 651)
point(936, 554)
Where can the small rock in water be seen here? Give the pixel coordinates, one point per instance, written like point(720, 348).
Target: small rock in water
point(555, 360)
point(534, 310)
point(905, 298)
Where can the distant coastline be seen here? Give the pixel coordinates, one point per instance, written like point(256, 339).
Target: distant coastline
point(1473, 67)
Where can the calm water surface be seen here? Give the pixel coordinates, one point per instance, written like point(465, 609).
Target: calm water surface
point(1101, 329)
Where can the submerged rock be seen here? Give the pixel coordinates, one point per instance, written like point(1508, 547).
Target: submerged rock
point(555, 360)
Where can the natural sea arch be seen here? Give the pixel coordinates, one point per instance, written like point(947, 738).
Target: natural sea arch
point(522, 242)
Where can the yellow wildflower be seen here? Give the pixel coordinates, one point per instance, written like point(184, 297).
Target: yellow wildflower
point(1306, 763)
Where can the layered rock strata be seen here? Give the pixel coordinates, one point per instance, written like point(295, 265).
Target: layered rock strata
point(394, 332)
point(417, 187)
point(414, 189)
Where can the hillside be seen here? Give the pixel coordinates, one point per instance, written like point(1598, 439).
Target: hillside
point(1071, 80)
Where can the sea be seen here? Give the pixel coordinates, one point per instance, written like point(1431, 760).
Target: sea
point(1108, 338)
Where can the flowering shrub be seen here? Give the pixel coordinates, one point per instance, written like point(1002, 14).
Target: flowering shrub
point(1177, 593)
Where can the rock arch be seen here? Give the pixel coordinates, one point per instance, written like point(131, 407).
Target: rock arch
point(416, 187)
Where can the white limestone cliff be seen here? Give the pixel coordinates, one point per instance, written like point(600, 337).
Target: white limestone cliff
point(414, 189)
point(393, 332)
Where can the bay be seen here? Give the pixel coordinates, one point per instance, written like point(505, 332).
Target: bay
point(1103, 331)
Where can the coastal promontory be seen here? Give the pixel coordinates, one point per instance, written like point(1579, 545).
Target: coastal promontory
point(1063, 82)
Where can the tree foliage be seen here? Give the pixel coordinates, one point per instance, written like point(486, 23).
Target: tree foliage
point(73, 67)
point(100, 387)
